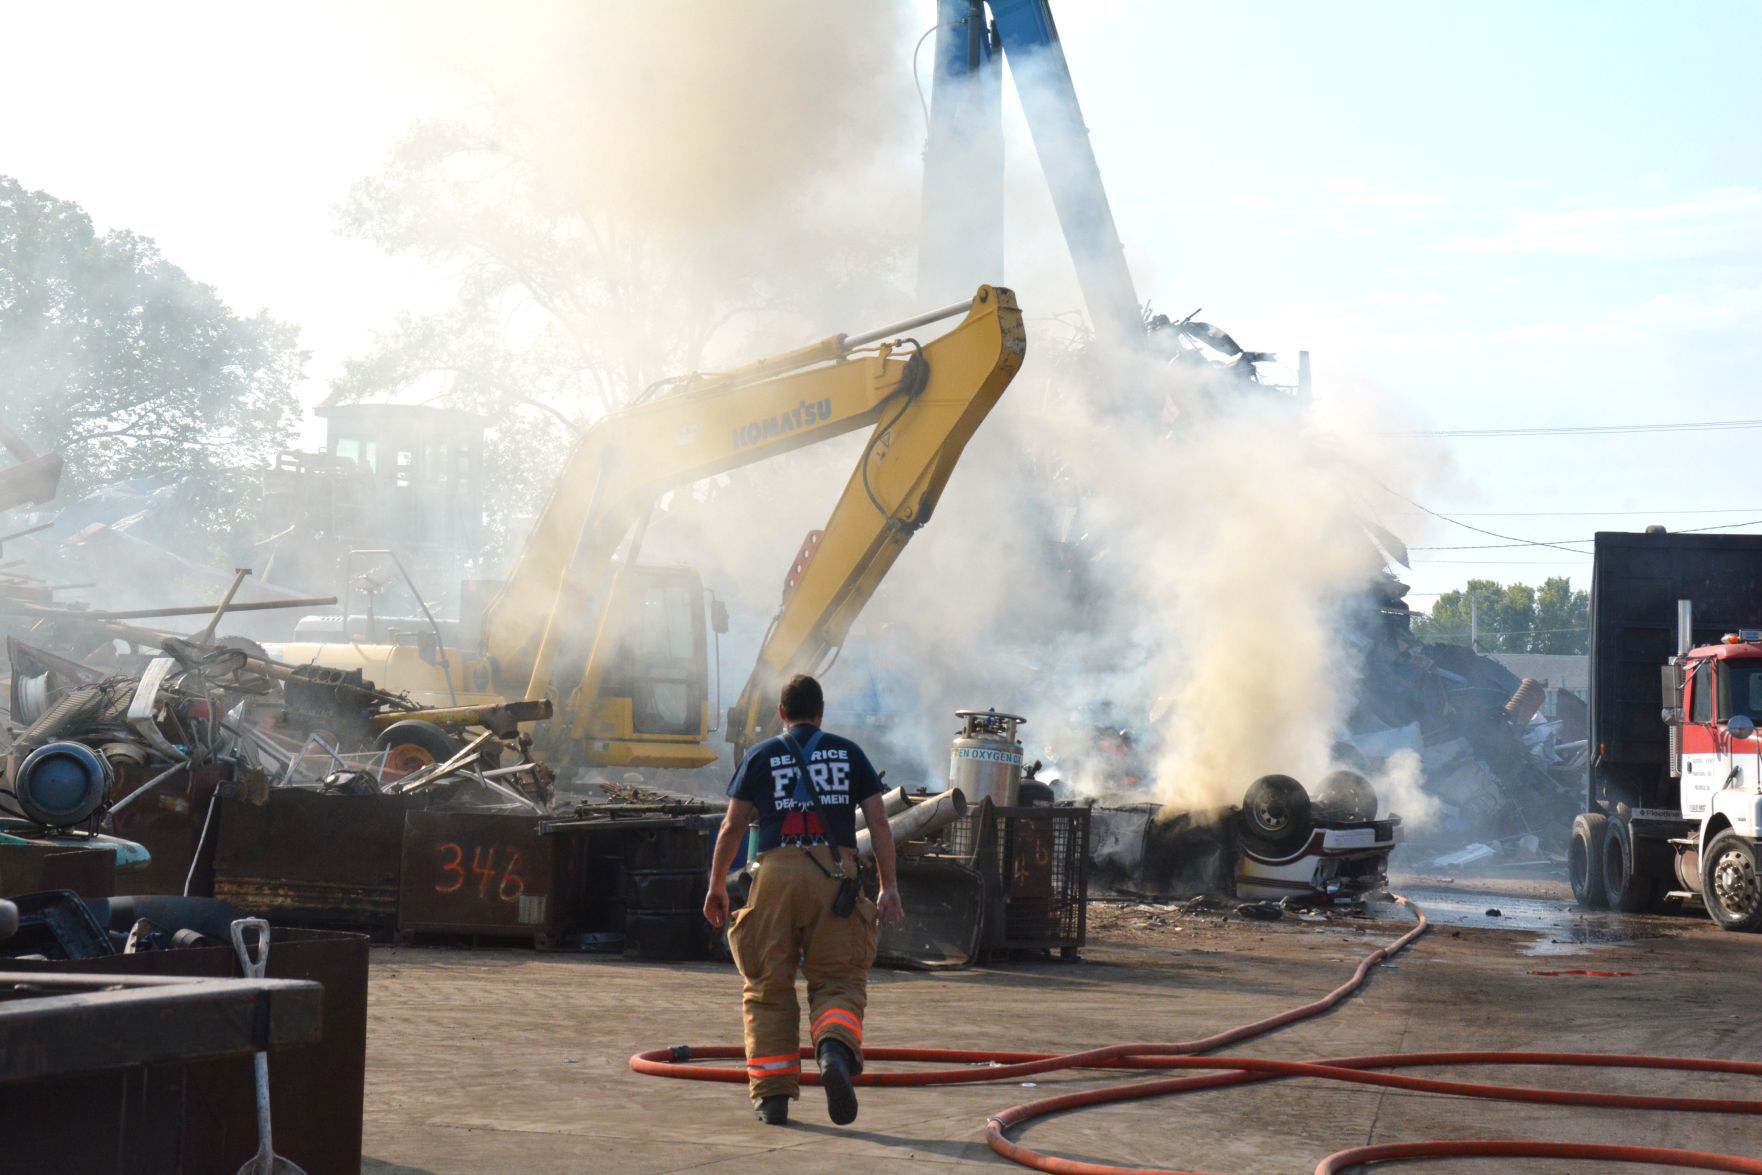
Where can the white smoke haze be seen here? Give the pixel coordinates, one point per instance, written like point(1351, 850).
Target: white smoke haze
point(652, 188)
point(1215, 599)
point(1400, 785)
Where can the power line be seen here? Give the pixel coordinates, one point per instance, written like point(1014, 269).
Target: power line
point(1579, 430)
point(1557, 545)
point(1504, 562)
point(1477, 529)
point(1596, 513)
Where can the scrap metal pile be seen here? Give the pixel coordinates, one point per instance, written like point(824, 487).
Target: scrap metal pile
point(136, 755)
point(213, 709)
point(1446, 753)
point(1505, 779)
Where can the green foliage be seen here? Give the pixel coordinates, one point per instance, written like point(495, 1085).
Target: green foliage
point(592, 256)
point(1511, 619)
point(114, 357)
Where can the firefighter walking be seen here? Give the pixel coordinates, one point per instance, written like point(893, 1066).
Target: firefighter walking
point(804, 912)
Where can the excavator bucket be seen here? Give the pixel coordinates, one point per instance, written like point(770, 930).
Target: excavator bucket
point(944, 911)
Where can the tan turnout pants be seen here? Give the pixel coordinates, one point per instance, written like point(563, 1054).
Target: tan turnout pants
point(787, 924)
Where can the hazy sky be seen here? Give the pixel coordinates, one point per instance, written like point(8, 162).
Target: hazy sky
point(1502, 215)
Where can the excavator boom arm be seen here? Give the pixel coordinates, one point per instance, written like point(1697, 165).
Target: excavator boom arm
point(926, 403)
point(891, 493)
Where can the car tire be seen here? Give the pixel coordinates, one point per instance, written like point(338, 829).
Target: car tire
point(1276, 814)
point(1731, 882)
point(1628, 884)
point(1584, 860)
point(1344, 795)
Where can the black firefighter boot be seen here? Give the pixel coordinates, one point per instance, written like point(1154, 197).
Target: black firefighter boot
point(773, 1110)
point(836, 1062)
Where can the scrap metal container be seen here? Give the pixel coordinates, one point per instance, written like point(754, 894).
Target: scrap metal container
point(666, 876)
point(161, 1113)
point(487, 874)
point(1034, 867)
point(313, 859)
point(1039, 860)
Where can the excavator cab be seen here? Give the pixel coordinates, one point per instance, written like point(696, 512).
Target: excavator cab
point(653, 706)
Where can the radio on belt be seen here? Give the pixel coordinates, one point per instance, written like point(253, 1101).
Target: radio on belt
point(987, 759)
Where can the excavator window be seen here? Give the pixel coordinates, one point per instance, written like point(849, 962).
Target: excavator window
point(661, 663)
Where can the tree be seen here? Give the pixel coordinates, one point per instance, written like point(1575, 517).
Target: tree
point(1510, 619)
point(117, 359)
point(641, 191)
point(1563, 618)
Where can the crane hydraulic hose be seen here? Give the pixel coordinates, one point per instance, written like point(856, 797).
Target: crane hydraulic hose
point(1218, 1072)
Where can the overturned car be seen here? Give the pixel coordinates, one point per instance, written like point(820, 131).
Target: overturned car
point(1283, 841)
point(1329, 843)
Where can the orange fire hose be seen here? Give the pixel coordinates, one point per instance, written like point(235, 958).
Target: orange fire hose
point(1226, 1071)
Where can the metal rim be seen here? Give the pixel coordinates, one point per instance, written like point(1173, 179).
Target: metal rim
point(1271, 816)
point(33, 698)
point(405, 758)
point(1736, 886)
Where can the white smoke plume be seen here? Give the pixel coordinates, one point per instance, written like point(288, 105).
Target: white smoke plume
point(1401, 787)
point(1213, 594)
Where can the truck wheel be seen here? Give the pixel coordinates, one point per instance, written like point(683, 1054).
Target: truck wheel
point(1275, 814)
point(1731, 884)
point(1584, 860)
point(411, 745)
point(1628, 885)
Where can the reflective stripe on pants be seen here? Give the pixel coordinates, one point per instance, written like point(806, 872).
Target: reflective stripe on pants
point(787, 925)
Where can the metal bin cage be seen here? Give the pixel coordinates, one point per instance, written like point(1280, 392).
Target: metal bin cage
point(1035, 863)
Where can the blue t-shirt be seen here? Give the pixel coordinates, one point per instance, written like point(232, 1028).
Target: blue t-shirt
point(769, 780)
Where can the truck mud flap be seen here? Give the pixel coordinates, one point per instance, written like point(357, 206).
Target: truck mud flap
point(944, 912)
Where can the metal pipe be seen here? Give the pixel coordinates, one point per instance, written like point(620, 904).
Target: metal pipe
point(196, 857)
point(146, 787)
point(1685, 627)
point(920, 820)
point(521, 711)
point(207, 633)
point(894, 802)
point(852, 342)
point(48, 611)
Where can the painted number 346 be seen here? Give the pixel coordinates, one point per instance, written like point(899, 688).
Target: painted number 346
point(455, 873)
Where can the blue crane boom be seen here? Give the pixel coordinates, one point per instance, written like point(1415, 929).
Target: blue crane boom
point(962, 216)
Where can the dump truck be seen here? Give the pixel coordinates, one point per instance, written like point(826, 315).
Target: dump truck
point(1673, 803)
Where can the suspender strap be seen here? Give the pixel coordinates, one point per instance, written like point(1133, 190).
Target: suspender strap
point(807, 782)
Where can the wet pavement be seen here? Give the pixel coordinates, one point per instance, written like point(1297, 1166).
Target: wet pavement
point(513, 1061)
point(1560, 926)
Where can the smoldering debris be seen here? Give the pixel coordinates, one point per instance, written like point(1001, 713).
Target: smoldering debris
point(1450, 742)
point(1461, 736)
point(31, 477)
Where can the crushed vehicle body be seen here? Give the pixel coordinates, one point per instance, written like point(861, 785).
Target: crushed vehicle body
point(1281, 842)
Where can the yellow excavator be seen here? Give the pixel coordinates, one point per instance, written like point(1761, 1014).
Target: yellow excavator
point(620, 648)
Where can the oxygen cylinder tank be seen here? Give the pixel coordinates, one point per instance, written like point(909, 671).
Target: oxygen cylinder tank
point(986, 759)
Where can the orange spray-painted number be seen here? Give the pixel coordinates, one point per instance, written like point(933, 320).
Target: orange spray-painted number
point(509, 885)
point(485, 870)
point(455, 867)
point(513, 885)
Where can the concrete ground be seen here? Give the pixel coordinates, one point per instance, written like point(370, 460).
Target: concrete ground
point(505, 1061)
